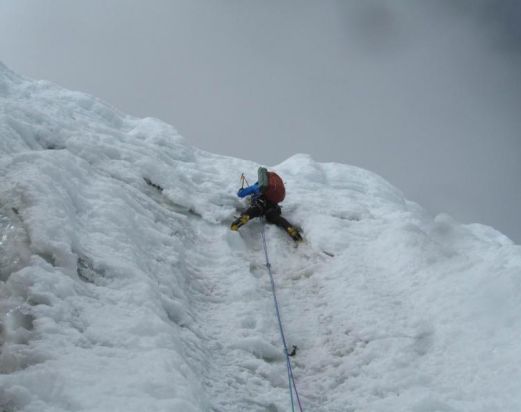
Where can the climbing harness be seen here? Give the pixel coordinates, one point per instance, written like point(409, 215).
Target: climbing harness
point(291, 379)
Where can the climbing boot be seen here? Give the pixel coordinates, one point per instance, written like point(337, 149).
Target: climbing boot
point(294, 233)
point(241, 220)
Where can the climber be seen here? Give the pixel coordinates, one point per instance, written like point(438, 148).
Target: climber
point(265, 194)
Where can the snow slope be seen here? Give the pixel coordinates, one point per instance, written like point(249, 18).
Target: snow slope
point(116, 296)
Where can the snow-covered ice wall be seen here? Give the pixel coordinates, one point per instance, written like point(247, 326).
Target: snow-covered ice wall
point(118, 296)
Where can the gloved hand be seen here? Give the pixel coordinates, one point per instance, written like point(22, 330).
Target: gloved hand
point(250, 190)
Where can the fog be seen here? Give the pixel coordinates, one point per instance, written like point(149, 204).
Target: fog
point(427, 94)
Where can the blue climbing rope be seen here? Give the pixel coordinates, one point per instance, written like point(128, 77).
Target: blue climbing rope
point(291, 379)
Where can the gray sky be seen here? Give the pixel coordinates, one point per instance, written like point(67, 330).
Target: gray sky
point(427, 94)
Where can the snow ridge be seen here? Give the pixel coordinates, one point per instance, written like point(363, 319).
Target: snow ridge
point(116, 294)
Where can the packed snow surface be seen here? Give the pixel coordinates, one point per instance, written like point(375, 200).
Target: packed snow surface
point(116, 295)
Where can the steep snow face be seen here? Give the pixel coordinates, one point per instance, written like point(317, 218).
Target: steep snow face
point(117, 295)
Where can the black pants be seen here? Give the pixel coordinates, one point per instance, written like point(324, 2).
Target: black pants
point(263, 207)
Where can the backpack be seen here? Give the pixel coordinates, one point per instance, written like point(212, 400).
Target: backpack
point(271, 185)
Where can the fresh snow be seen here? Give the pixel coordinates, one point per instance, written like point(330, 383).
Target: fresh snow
point(117, 296)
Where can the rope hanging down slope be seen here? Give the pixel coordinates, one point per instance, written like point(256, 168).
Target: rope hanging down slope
point(291, 379)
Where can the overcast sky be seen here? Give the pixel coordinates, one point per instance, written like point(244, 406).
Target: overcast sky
point(426, 94)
